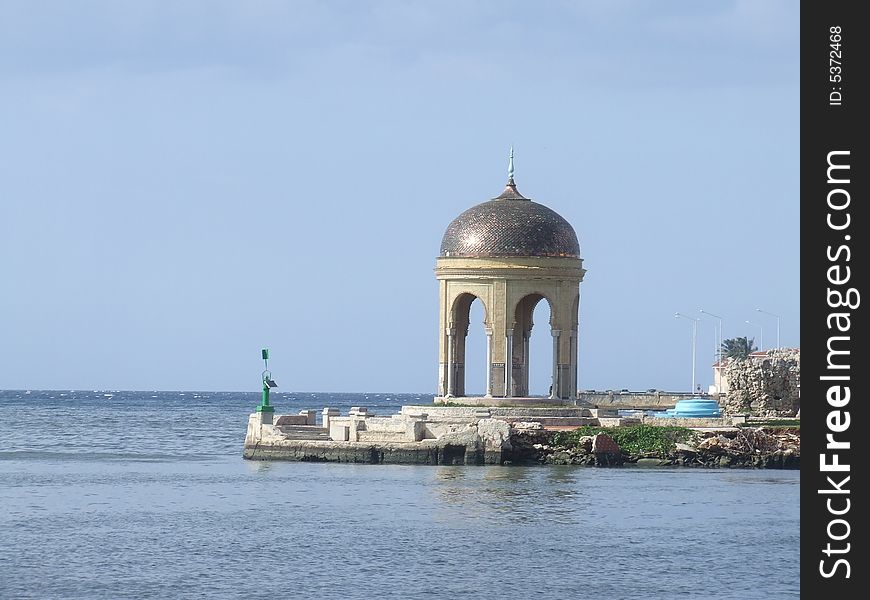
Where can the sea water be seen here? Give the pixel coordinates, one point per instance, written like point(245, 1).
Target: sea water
point(110, 494)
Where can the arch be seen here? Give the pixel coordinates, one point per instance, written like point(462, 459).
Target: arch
point(524, 322)
point(460, 320)
point(510, 290)
point(461, 304)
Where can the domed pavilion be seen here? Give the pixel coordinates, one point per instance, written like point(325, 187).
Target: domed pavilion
point(510, 253)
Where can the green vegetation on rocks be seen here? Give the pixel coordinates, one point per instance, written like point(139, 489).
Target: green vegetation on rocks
point(635, 439)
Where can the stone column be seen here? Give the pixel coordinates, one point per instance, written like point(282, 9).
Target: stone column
point(572, 368)
point(451, 335)
point(489, 363)
point(509, 364)
point(554, 388)
point(526, 358)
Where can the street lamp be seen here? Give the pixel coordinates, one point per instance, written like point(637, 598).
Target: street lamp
point(718, 354)
point(720, 340)
point(760, 339)
point(694, 339)
point(778, 317)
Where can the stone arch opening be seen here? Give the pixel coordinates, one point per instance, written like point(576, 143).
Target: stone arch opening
point(470, 349)
point(532, 356)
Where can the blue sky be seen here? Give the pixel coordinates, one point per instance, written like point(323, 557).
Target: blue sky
point(183, 183)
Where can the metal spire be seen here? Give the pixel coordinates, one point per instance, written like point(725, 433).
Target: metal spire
point(511, 167)
point(510, 191)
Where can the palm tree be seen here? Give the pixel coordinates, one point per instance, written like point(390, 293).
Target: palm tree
point(739, 348)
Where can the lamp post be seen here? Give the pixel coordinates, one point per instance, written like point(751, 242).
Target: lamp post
point(719, 340)
point(760, 339)
point(778, 317)
point(718, 353)
point(694, 339)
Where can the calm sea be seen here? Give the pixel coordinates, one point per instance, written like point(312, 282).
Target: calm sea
point(145, 495)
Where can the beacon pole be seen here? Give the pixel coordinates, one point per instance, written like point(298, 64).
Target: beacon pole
point(268, 383)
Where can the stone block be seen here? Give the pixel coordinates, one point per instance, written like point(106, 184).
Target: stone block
point(339, 432)
point(415, 430)
point(494, 433)
point(252, 437)
point(604, 412)
point(329, 413)
point(310, 416)
point(291, 420)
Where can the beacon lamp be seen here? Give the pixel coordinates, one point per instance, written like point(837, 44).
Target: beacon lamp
point(268, 383)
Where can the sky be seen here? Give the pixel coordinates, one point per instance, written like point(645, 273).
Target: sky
point(184, 183)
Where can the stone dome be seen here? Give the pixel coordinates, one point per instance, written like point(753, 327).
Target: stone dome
point(509, 225)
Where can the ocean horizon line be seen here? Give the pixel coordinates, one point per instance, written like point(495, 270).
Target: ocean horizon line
point(193, 391)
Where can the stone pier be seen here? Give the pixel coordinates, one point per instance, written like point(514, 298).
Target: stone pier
point(430, 434)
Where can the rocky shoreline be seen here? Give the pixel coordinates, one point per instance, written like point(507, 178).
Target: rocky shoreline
point(744, 447)
point(514, 436)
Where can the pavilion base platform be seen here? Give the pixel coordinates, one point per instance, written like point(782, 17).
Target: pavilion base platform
point(501, 401)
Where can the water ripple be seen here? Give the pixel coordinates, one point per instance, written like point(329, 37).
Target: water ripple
point(144, 495)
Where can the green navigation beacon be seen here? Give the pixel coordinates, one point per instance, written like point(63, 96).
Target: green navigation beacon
point(268, 383)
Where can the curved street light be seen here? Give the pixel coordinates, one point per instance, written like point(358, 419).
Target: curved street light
point(761, 339)
point(718, 369)
point(694, 339)
point(719, 341)
point(778, 317)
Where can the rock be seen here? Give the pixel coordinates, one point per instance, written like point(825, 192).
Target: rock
point(585, 442)
point(604, 444)
point(559, 458)
point(767, 385)
point(527, 425)
point(649, 462)
point(745, 447)
point(607, 452)
point(494, 432)
point(711, 443)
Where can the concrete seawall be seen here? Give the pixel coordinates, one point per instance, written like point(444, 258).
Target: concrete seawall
point(429, 435)
point(363, 438)
point(428, 452)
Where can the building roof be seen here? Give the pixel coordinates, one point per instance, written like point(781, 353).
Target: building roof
point(510, 225)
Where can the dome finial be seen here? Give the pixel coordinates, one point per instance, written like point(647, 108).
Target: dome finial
point(511, 167)
point(510, 191)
